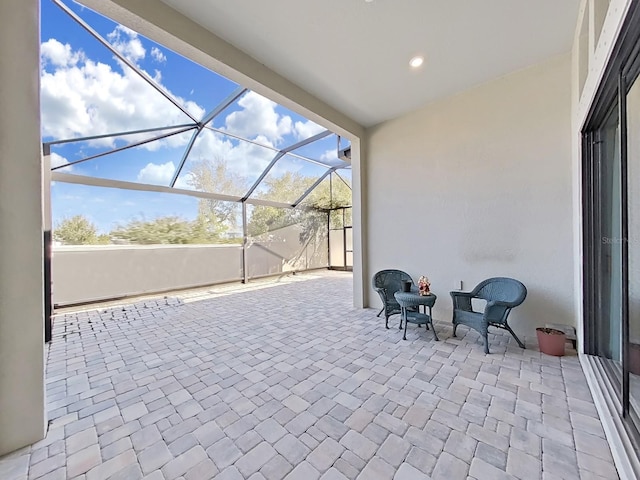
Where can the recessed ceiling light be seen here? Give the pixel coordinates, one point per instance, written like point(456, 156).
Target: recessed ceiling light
point(368, 1)
point(416, 61)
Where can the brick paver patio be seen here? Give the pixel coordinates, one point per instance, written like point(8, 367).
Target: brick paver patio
point(292, 382)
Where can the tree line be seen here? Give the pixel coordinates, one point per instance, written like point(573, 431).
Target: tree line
point(216, 219)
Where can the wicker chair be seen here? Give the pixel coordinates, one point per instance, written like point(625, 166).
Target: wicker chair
point(502, 294)
point(386, 283)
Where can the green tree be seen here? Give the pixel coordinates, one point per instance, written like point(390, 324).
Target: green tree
point(162, 230)
point(333, 193)
point(265, 219)
point(78, 230)
point(216, 216)
point(286, 189)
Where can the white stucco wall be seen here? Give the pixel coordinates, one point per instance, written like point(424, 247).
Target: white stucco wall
point(89, 273)
point(479, 185)
point(22, 419)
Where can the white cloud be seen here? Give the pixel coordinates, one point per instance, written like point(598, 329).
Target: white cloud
point(250, 160)
point(126, 42)
point(306, 129)
point(258, 117)
point(244, 159)
point(81, 97)
point(161, 174)
point(55, 53)
point(330, 156)
point(73, 198)
point(157, 55)
point(157, 174)
point(59, 160)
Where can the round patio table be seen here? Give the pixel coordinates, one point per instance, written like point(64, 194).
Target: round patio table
point(406, 300)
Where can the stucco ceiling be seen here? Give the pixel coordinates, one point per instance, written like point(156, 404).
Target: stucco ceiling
point(354, 54)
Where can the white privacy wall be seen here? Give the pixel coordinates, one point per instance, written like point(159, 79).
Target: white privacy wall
point(89, 273)
point(479, 185)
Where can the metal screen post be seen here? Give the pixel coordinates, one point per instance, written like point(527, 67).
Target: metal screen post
point(47, 240)
point(329, 238)
point(344, 240)
point(245, 241)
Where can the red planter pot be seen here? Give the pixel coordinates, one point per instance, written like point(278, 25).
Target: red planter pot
point(551, 341)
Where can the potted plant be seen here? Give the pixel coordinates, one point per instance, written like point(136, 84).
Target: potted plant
point(551, 341)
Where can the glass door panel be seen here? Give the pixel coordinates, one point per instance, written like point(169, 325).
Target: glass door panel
point(609, 249)
point(633, 218)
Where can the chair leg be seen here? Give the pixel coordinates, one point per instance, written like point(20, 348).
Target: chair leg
point(455, 325)
point(435, 335)
point(381, 310)
point(386, 321)
point(508, 328)
point(486, 342)
point(405, 330)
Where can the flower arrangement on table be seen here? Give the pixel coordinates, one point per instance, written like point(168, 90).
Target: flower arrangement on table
point(424, 287)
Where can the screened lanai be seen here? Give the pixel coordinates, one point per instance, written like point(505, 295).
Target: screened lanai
point(166, 175)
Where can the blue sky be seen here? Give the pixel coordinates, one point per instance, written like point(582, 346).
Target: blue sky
point(86, 90)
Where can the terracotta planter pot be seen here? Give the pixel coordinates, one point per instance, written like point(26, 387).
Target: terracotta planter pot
point(551, 341)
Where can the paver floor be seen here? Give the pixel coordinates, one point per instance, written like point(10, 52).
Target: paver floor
point(293, 382)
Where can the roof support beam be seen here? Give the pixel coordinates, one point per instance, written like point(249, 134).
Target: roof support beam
point(207, 118)
point(124, 185)
point(343, 180)
point(281, 154)
point(236, 94)
point(306, 141)
point(264, 173)
point(126, 147)
point(118, 134)
point(312, 187)
point(183, 160)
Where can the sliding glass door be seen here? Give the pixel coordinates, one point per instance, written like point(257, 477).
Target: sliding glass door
point(633, 246)
point(611, 221)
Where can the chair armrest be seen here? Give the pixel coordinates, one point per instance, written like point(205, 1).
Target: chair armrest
point(457, 293)
point(499, 303)
point(382, 292)
point(461, 300)
point(497, 311)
